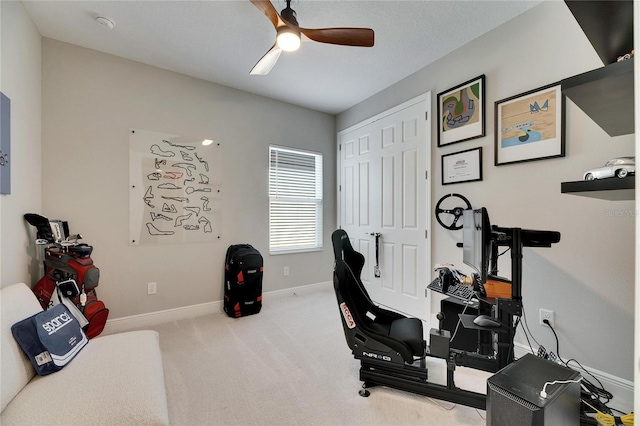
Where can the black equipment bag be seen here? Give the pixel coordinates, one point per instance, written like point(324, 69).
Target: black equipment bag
point(243, 271)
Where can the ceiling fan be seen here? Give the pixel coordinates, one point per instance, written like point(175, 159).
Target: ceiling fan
point(288, 35)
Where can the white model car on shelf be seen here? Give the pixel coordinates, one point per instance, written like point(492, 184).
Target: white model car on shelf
point(620, 167)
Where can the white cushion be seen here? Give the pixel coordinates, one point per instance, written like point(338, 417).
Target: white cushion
point(17, 302)
point(115, 380)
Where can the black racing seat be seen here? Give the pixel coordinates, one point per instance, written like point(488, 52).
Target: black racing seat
point(371, 331)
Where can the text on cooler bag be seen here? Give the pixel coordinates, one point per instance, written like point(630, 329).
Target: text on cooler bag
point(57, 323)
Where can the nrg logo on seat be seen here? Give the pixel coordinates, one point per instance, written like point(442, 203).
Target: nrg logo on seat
point(376, 356)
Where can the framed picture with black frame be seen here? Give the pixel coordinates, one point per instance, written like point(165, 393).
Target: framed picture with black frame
point(530, 126)
point(462, 166)
point(461, 112)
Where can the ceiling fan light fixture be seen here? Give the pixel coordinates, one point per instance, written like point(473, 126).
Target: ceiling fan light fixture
point(288, 39)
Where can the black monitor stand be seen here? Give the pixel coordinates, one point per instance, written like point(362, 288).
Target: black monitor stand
point(516, 239)
point(507, 309)
point(488, 358)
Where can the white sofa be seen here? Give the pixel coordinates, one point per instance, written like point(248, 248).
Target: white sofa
point(115, 379)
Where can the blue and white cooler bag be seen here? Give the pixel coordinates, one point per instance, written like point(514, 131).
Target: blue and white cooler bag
point(51, 339)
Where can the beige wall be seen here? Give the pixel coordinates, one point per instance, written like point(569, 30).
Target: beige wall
point(91, 100)
point(588, 278)
point(21, 84)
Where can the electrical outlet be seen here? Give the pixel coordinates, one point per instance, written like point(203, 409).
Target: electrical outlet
point(151, 288)
point(286, 271)
point(546, 314)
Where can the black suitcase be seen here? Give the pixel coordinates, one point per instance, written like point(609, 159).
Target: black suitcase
point(243, 271)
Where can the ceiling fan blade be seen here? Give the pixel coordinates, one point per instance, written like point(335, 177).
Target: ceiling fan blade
point(345, 36)
point(264, 65)
point(267, 8)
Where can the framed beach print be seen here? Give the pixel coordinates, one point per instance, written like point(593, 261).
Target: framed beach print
point(463, 166)
point(461, 112)
point(530, 126)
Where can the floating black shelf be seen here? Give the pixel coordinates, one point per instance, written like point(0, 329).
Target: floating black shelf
point(606, 96)
point(613, 189)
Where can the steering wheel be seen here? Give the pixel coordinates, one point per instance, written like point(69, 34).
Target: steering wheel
point(456, 212)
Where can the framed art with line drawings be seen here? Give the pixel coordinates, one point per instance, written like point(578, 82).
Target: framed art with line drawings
point(530, 126)
point(175, 188)
point(461, 112)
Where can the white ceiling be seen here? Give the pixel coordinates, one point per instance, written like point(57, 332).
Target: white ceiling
point(220, 41)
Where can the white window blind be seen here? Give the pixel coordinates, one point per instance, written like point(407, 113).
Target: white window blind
point(295, 200)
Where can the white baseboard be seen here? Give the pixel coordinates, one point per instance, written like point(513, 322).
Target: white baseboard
point(118, 325)
point(621, 389)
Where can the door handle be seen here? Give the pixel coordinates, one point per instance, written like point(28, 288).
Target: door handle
point(376, 268)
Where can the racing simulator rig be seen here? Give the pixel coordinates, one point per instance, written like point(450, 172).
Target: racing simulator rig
point(391, 347)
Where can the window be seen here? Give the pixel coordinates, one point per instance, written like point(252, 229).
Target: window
point(295, 200)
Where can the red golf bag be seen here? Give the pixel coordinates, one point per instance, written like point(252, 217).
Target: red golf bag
point(69, 270)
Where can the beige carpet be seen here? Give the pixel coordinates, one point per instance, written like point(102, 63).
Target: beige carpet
point(289, 365)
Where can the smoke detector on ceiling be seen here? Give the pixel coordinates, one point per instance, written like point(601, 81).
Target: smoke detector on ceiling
point(105, 22)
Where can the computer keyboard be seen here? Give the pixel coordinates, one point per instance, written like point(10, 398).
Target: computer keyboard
point(463, 292)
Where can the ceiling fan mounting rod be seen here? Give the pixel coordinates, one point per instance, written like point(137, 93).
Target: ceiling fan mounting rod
point(289, 14)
